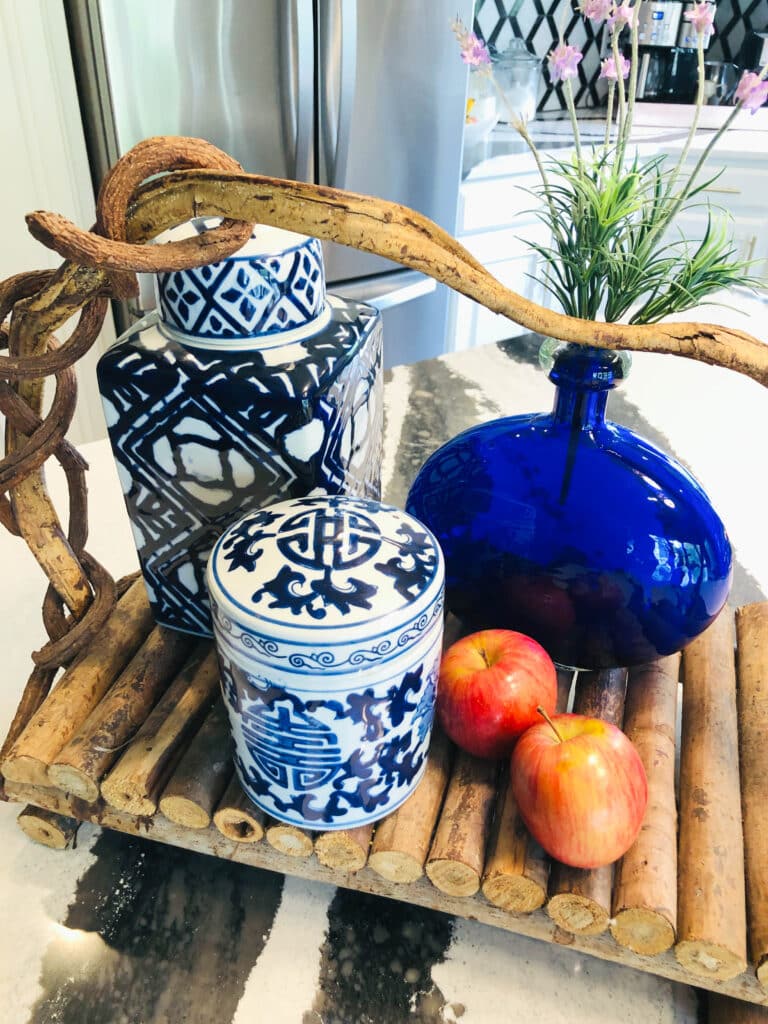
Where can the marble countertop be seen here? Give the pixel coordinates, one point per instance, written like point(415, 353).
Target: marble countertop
point(504, 152)
point(125, 931)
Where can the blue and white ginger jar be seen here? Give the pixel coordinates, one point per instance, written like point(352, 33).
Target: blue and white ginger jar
point(254, 386)
point(328, 616)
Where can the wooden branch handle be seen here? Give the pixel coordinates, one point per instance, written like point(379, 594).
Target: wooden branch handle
point(40, 302)
point(377, 226)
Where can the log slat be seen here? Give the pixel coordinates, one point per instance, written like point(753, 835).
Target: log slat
point(49, 828)
point(80, 689)
point(80, 766)
point(202, 774)
point(455, 862)
point(135, 783)
point(645, 890)
point(236, 817)
point(752, 694)
point(516, 868)
point(402, 839)
point(711, 904)
point(345, 850)
point(580, 900)
point(289, 839)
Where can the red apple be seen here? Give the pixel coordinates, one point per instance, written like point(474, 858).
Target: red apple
point(581, 789)
point(489, 688)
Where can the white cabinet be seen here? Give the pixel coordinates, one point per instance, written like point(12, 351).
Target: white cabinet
point(497, 222)
point(740, 193)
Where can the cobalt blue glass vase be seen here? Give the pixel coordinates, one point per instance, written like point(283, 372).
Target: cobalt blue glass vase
point(573, 529)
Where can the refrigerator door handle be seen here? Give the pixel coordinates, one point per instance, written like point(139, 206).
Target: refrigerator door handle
point(339, 46)
point(296, 36)
point(386, 290)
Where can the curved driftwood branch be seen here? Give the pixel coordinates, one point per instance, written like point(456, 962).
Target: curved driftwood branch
point(40, 303)
point(376, 226)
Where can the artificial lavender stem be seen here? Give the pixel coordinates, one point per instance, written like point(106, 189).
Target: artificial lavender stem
point(619, 82)
point(632, 73)
point(574, 120)
point(609, 114)
point(522, 130)
point(696, 114)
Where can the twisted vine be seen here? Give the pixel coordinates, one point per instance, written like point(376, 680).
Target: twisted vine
point(81, 593)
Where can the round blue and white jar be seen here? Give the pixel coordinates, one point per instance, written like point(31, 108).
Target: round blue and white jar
point(328, 617)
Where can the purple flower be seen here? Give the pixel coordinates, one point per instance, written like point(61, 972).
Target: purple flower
point(473, 50)
point(476, 53)
point(622, 15)
point(702, 17)
point(608, 69)
point(752, 91)
point(563, 62)
point(596, 10)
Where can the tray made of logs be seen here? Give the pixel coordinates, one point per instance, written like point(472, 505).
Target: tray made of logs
point(134, 737)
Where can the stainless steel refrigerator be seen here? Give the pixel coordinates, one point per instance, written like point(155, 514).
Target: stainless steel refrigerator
point(361, 94)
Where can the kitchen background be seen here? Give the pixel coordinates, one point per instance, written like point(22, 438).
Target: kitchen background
point(50, 167)
point(538, 23)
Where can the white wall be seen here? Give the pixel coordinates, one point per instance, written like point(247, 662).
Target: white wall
point(44, 163)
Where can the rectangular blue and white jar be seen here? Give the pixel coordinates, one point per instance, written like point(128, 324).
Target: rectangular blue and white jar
point(254, 386)
point(328, 617)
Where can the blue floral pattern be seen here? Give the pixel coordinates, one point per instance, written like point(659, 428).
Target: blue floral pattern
point(336, 762)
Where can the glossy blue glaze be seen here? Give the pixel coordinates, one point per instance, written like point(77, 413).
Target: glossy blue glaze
point(575, 530)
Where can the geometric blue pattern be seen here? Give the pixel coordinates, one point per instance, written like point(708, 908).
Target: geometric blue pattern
point(243, 296)
point(203, 435)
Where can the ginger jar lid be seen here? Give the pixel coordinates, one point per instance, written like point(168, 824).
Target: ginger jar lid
point(349, 577)
point(273, 285)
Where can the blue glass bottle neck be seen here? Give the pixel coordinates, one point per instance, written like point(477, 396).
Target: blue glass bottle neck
point(579, 408)
point(583, 377)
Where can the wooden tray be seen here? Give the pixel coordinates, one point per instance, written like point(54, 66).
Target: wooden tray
point(139, 749)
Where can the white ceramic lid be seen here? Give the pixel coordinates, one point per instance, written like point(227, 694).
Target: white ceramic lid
point(330, 570)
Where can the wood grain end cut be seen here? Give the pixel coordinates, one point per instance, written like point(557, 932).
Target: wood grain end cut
point(643, 931)
point(26, 769)
point(453, 877)
point(396, 866)
point(338, 850)
point(183, 811)
point(290, 840)
point(515, 893)
point(237, 825)
point(55, 831)
point(119, 797)
point(709, 960)
point(578, 914)
point(72, 780)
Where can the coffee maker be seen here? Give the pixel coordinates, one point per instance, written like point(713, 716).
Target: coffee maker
point(667, 53)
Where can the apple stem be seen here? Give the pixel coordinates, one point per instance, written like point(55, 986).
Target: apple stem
point(549, 722)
